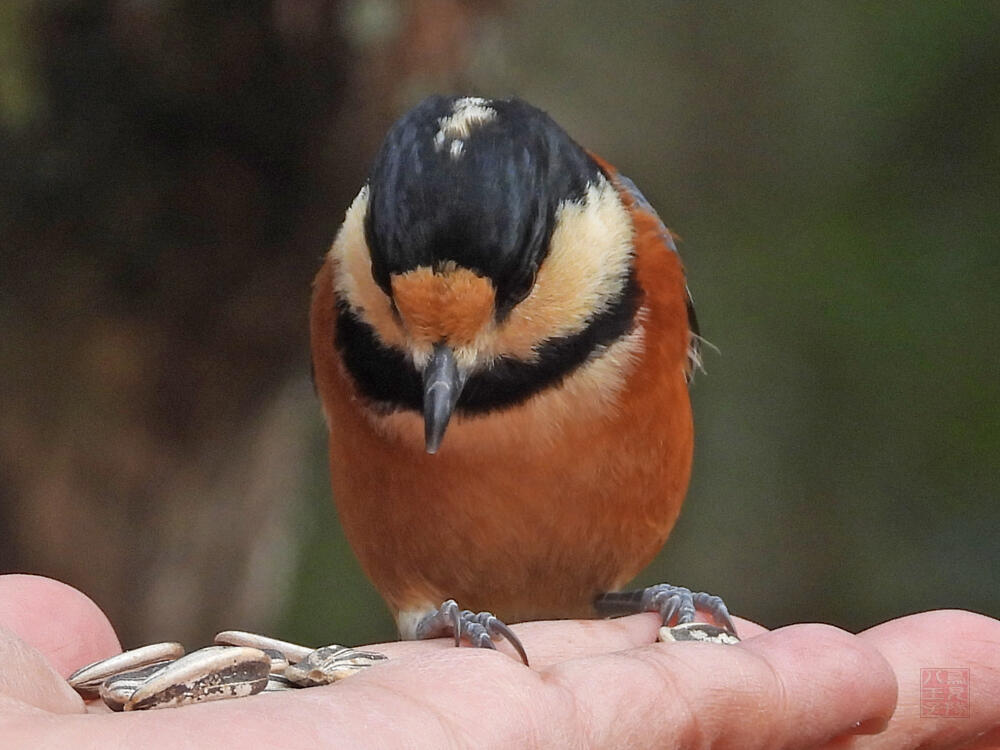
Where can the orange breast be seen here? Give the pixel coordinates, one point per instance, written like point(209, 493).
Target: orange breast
point(516, 514)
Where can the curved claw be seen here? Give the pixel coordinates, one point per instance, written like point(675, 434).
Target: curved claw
point(456, 619)
point(717, 609)
point(479, 628)
point(501, 628)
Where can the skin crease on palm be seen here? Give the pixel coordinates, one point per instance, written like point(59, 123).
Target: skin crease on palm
point(593, 684)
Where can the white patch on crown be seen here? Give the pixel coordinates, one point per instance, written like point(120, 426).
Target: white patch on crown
point(467, 114)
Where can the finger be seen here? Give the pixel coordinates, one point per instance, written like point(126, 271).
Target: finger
point(57, 620)
point(47, 629)
point(27, 679)
point(797, 686)
point(935, 641)
point(552, 641)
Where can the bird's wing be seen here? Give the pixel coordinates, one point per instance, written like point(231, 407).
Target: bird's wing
point(694, 347)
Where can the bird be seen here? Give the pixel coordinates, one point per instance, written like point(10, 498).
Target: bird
point(503, 341)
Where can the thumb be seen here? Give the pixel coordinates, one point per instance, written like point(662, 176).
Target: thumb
point(47, 630)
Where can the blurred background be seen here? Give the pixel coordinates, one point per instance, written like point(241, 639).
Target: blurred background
point(172, 171)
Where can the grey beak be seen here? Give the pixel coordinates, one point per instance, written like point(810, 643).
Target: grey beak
point(443, 385)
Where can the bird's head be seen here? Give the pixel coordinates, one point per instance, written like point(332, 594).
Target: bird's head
point(487, 257)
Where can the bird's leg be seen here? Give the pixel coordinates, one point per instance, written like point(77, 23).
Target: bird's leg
point(676, 606)
point(479, 628)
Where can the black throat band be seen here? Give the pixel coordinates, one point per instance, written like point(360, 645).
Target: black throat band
point(386, 377)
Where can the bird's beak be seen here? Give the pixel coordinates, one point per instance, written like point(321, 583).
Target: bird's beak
point(443, 383)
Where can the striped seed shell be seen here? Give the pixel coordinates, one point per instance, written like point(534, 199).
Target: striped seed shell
point(117, 689)
point(87, 680)
point(330, 664)
point(212, 673)
point(701, 632)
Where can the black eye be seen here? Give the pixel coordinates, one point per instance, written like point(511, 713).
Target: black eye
point(522, 287)
point(381, 279)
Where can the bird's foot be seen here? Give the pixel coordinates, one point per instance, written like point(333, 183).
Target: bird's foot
point(479, 628)
point(677, 607)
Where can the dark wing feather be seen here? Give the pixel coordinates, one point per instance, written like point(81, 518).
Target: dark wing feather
point(694, 345)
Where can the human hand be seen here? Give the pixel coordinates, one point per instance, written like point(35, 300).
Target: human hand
point(600, 684)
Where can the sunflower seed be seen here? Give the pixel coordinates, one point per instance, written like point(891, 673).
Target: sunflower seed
point(211, 673)
point(161, 675)
point(292, 651)
point(697, 631)
point(87, 680)
point(117, 689)
point(330, 664)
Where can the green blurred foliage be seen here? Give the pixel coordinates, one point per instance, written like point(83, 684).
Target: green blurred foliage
point(330, 598)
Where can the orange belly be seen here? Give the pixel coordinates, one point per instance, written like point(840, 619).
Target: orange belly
point(526, 529)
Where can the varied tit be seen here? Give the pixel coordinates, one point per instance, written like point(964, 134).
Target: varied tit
point(502, 340)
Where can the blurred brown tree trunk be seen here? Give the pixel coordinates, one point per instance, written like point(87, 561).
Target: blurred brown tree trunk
point(162, 215)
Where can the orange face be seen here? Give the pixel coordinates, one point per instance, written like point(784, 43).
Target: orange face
point(449, 305)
